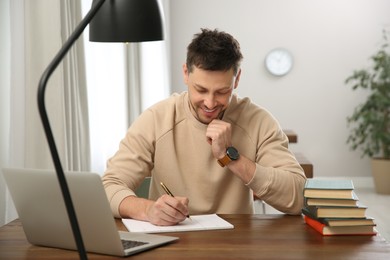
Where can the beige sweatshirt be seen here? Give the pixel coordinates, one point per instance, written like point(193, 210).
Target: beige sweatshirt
point(168, 143)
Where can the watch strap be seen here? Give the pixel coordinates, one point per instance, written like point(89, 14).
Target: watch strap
point(224, 160)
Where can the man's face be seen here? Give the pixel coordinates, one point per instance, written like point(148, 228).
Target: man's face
point(210, 92)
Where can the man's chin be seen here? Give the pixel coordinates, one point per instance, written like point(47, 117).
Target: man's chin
point(206, 120)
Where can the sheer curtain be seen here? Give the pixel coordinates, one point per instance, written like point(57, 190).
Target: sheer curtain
point(12, 97)
point(47, 25)
point(34, 32)
point(5, 92)
point(75, 92)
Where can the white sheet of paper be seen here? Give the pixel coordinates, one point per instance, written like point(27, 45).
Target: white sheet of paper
point(196, 223)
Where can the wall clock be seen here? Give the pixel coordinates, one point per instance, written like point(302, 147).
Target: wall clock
point(279, 62)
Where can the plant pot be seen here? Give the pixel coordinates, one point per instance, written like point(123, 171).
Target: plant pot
point(381, 174)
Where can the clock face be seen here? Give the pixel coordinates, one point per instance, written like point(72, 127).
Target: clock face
point(279, 62)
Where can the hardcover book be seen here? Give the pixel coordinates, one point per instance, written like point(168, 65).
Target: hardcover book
point(336, 212)
point(331, 189)
point(334, 222)
point(339, 230)
point(332, 202)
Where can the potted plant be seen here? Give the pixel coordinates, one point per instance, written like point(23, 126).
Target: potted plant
point(370, 121)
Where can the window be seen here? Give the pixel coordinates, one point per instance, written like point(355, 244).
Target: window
point(107, 69)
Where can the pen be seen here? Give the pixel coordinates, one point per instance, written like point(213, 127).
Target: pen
point(170, 193)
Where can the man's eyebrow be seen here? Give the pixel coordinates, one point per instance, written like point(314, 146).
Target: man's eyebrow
point(204, 88)
point(199, 86)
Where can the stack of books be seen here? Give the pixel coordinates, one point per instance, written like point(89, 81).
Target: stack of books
point(332, 208)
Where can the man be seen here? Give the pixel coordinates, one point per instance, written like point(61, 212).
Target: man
point(212, 149)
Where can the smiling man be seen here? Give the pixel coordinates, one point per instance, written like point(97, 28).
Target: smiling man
point(212, 149)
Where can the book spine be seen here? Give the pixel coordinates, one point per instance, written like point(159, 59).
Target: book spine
point(305, 204)
point(319, 227)
point(310, 211)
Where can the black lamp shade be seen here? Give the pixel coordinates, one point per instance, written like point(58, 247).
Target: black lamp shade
point(127, 21)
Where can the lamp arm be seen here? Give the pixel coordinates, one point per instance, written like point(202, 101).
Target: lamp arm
point(46, 125)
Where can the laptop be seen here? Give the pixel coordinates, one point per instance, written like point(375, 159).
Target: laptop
point(38, 200)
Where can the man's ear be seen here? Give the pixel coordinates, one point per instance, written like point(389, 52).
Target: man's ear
point(237, 79)
point(185, 73)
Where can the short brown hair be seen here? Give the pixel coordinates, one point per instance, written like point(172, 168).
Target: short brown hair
point(214, 50)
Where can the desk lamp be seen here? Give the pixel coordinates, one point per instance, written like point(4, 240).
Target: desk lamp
point(110, 21)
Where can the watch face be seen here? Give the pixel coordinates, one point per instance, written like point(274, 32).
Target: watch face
point(232, 153)
point(279, 62)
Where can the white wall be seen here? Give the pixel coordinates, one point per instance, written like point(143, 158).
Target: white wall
point(328, 39)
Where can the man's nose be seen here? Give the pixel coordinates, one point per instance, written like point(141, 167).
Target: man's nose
point(210, 101)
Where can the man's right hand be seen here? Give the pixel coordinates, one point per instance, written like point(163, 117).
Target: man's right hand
point(168, 211)
point(165, 211)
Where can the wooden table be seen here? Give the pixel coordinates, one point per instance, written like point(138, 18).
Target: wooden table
point(254, 237)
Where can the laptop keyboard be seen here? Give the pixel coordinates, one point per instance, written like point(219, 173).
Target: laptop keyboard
point(131, 243)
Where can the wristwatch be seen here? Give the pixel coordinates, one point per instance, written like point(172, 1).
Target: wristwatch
point(231, 155)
